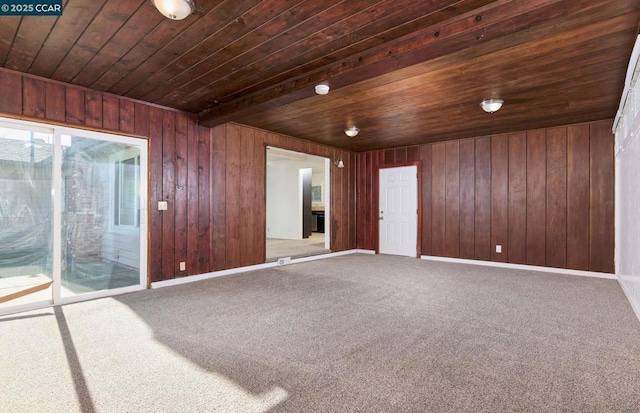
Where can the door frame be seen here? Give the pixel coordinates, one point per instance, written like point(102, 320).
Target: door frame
point(56, 131)
point(376, 203)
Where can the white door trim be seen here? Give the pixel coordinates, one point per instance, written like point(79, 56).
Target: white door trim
point(416, 166)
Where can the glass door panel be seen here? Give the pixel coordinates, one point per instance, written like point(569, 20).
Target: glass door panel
point(26, 207)
point(101, 204)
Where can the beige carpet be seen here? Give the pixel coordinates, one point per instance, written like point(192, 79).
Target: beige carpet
point(348, 334)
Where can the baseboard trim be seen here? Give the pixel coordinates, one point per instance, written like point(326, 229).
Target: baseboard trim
point(522, 267)
point(221, 273)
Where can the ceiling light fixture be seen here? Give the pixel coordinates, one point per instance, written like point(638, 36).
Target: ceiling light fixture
point(175, 9)
point(491, 105)
point(351, 131)
point(339, 163)
point(322, 89)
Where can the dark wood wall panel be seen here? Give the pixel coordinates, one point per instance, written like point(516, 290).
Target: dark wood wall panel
point(181, 185)
point(213, 179)
point(218, 199)
point(467, 198)
point(438, 198)
point(601, 214)
point(499, 197)
point(482, 233)
point(155, 194)
point(556, 206)
point(452, 200)
point(536, 196)
point(427, 192)
point(517, 198)
point(578, 197)
point(168, 193)
point(545, 195)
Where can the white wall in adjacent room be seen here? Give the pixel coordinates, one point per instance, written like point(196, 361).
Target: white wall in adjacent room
point(284, 211)
point(627, 128)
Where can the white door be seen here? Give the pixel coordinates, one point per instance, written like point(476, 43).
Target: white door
point(398, 212)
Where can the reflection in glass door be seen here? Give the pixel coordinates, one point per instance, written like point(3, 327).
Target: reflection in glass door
point(100, 215)
point(26, 270)
point(72, 215)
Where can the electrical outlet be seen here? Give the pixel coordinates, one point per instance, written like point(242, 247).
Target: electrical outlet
point(162, 205)
point(499, 249)
point(284, 261)
point(183, 266)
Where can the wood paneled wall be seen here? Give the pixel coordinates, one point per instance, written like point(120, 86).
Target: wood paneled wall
point(213, 179)
point(546, 196)
point(238, 193)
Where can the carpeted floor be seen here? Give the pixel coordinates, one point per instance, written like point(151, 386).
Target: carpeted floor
point(356, 333)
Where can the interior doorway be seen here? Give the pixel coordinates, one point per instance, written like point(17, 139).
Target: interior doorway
point(297, 204)
point(398, 211)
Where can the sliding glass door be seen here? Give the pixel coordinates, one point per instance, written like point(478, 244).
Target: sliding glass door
point(72, 215)
point(26, 211)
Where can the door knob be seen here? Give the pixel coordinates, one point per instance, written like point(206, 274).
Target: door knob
point(381, 218)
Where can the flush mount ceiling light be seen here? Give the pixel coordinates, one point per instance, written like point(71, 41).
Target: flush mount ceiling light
point(322, 89)
point(351, 131)
point(491, 105)
point(174, 9)
point(339, 163)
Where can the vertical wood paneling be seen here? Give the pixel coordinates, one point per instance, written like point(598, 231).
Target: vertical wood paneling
point(204, 200)
point(193, 185)
point(93, 109)
point(55, 102)
point(400, 155)
point(34, 97)
point(247, 204)
point(181, 210)
point(517, 198)
point(218, 186)
point(438, 198)
point(483, 199)
point(168, 193)
point(260, 196)
point(336, 204)
point(536, 196)
point(352, 188)
point(499, 197)
point(467, 199)
point(376, 161)
point(413, 154)
point(127, 116)
point(556, 221)
point(452, 200)
point(218, 190)
point(74, 106)
point(578, 197)
point(155, 194)
point(111, 112)
point(427, 192)
point(233, 218)
point(11, 96)
point(389, 156)
point(601, 198)
point(361, 195)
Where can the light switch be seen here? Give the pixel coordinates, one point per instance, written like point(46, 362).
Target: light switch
point(162, 205)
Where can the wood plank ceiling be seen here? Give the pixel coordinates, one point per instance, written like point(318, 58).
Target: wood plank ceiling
point(404, 71)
